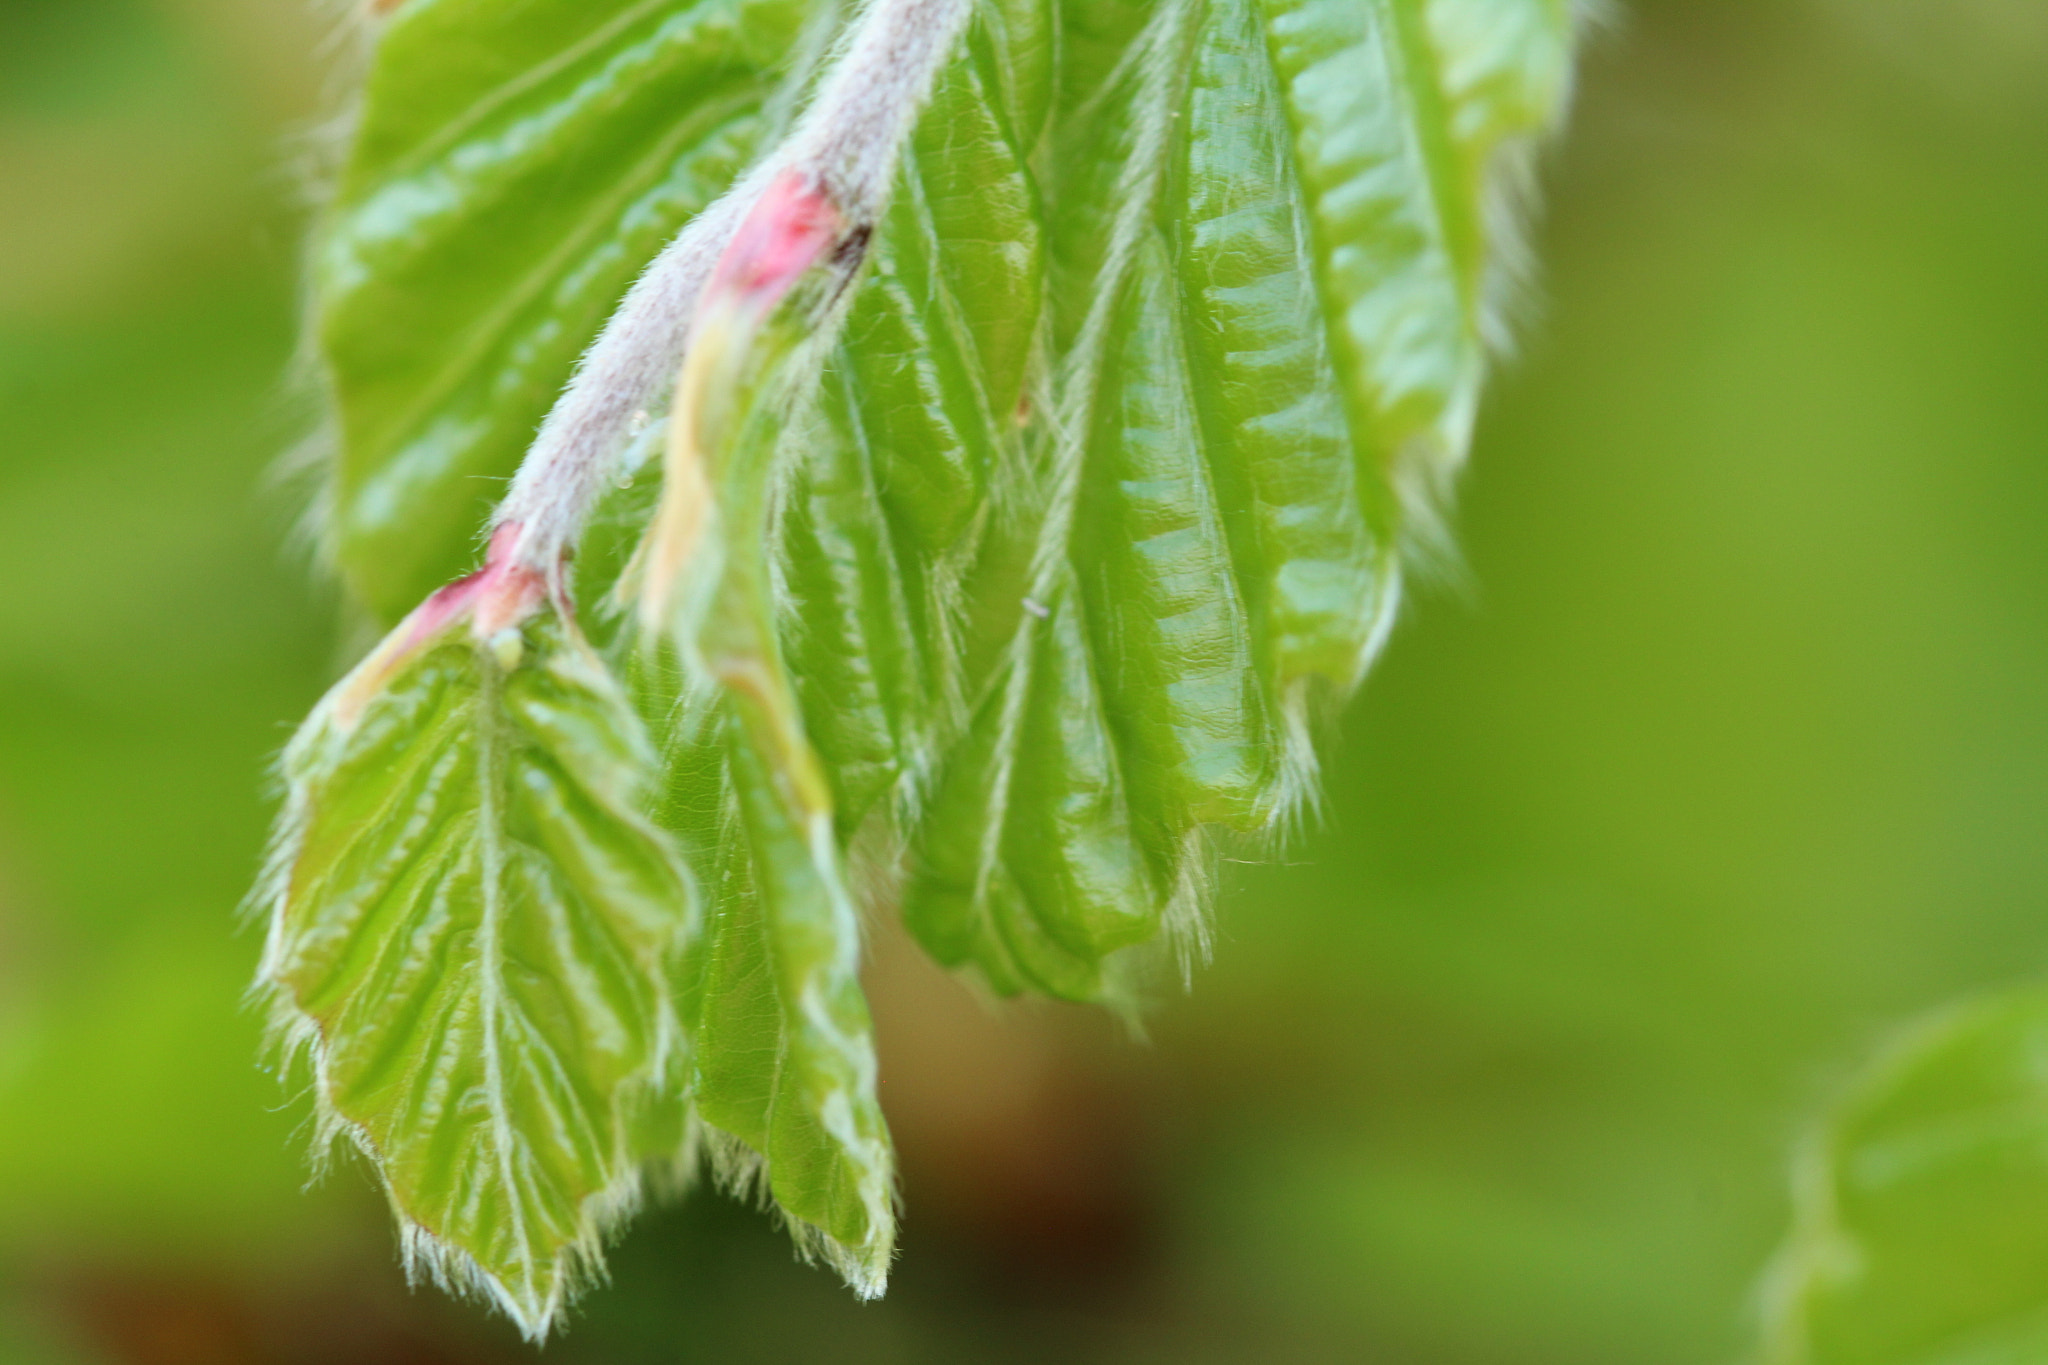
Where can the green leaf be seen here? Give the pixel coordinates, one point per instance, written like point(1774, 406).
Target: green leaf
point(1071, 604)
point(785, 1044)
point(1028, 582)
point(1171, 344)
point(786, 1050)
point(1920, 1232)
point(898, 467)
point(472, 929)
point(515, 167)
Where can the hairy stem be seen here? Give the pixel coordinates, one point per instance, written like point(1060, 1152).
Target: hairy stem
point(844, 147)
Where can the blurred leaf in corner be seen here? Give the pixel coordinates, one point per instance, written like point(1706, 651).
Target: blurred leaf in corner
point(1920, 1232)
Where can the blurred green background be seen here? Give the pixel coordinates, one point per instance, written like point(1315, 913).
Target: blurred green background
point(1734, 753)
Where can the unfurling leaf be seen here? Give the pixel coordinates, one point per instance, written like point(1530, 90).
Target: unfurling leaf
point(1920, 1217)
point(786, 1052)
point(473, 927)
point(788, 1058)
point(1111, 363)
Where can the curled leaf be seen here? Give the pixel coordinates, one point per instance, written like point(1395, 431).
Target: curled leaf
point(786, 1047)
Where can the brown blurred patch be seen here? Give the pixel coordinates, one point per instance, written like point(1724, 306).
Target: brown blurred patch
point(162, 1320)
point(352, 1316)
point(1023, 1144)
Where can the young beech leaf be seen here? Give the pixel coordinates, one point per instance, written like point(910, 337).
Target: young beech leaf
point(915, 435)
point(1008, 558)
point(1170, 344)
point(784, 1062)
point(1920, 1207)
point(472, 930)
point(786, 1058)
point(1071, 606)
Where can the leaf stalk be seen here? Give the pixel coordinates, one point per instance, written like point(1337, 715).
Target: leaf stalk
point(844, 151)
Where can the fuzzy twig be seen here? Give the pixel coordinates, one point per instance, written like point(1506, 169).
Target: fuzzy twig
point(845, 147)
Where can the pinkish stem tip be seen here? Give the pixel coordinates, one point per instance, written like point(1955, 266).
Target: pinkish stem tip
point(789, 230)
point(502, 593)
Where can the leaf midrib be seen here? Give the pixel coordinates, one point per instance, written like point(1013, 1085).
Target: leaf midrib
point(1052, 564)
point(492, 768)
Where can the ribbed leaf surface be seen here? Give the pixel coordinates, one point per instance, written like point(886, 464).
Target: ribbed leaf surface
point(1070, 599)
point(1169, 348)
point(785, 1043)
point(472, 929)
point(788, 1059)
point(1029, 581)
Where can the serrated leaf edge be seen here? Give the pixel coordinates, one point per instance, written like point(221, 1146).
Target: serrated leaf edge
point(294, 1037)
